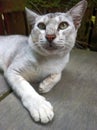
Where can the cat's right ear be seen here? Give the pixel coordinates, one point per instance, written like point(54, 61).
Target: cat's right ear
point(31, 16)
point(77, 12)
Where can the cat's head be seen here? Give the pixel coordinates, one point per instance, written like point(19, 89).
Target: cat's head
point(55, 33)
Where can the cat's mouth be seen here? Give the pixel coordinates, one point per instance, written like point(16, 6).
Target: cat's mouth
point(50, 47)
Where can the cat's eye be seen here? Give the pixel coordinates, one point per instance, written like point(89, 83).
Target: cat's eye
point(41, 26)
point(63, 25)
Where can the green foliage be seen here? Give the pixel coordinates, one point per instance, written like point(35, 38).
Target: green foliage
point(45, 6)
point(44, 3)
point(49, 5)
point(95, 1)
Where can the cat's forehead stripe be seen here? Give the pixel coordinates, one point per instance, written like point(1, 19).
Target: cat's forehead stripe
point(52, 15)
point(57, 16)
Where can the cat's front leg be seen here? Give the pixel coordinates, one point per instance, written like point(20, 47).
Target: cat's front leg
point(47, 84)
point(40, 109)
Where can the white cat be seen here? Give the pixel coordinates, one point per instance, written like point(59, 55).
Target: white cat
point(41, 56)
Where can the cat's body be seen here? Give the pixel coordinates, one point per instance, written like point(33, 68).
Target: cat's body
point(41, 56)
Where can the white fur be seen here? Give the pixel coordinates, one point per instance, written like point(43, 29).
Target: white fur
point(27, 65)
point(25, 59)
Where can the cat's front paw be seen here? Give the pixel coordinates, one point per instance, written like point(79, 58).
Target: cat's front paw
point(40, 109)
point(45, 86)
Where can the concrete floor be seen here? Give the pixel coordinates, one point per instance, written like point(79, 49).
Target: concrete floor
point(74, 99)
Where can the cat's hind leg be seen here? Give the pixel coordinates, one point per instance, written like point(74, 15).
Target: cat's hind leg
point(47, 84)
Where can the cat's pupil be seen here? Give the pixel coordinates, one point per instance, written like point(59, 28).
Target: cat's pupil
point(41, 26)
point(63, 25)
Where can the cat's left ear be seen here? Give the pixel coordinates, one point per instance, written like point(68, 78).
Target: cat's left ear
point(31, 16)
point(77, 12)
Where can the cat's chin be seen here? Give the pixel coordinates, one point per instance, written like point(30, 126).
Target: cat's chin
point(47, 52)
point(51, 52)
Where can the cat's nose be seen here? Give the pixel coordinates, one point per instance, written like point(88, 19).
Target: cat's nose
point(51, 37)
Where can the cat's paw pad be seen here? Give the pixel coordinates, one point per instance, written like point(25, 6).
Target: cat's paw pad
point(40, 109)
